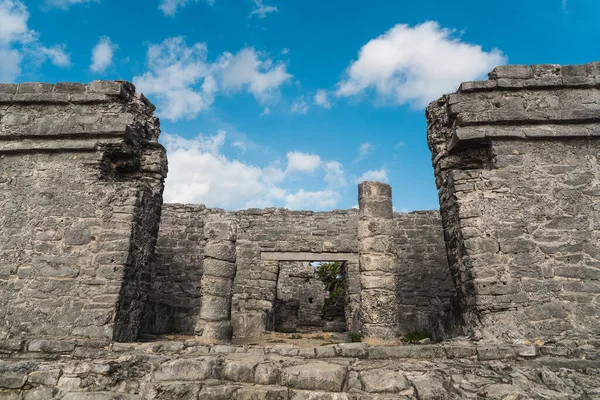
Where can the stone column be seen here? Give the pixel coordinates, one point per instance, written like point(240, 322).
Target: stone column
point(217, 280)
point(379, 304)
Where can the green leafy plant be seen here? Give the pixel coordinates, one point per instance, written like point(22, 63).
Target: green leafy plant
point(355, 337)
point(332, 275)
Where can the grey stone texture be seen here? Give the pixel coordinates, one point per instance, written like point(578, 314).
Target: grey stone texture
point(81, 178)
point(268, 239)
point(188, 369)
point(301, 297)
point(379, 314)
point(516, 166)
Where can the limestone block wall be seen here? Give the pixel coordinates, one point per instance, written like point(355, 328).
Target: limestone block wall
point(516, 163)
point(178, 267)
point(81, 178)
point(424, 284)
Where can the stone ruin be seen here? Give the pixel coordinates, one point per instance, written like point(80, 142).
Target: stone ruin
point(107, 293)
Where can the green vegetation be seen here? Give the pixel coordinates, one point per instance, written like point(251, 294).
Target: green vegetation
point(296, 337)
point(355, 337)
point(332, 275)
point(415, 336)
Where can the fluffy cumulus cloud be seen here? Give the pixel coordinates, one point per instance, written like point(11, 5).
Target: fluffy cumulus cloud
point(102, 55)
point(183, 82)
point(374, 175)
point(260, 10)
point(64, 4)
point(334, 174)
point(322, 99)
point(178, 78)
point(302, 162)
point(245, 70)
point(169, 7)
point(415, 65)
point(300, 106)
point(302, 200)
point(199, 172)
point(19, 43)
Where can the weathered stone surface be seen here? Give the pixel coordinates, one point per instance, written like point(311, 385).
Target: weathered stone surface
point(514, 169)
point(81, 193)
point(387, 381)
point(193, 369)
point(314, 376)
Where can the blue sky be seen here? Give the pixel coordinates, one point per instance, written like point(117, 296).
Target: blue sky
point(291, 103)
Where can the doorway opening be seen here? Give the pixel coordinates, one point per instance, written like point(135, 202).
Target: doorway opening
point(310, 297)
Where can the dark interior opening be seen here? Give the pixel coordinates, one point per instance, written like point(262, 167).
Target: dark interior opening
point(310, 297)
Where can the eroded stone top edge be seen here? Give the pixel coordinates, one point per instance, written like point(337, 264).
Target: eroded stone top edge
point(69, 92)
point(537, 76)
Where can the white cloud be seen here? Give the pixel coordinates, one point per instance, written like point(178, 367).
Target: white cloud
point(334, 174)
point(266, 111)
point(102, 54)
point(300, 106)
point(10, 67)
point(302, 162)
point(64, 4)
point(303, 200)
point(363, 151)
point(240, 145)
point(19, 43)
point(57, 55)
point(415, 65)
point(231, 184)
point(374, 175)
point(183, 82)
point(246, 70)
point(322, 99)
point(169, 7)
point(260, 10)
point(178, 78)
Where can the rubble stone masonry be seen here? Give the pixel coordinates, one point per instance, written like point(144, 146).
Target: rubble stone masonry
point(81, 178)
point(516, 164)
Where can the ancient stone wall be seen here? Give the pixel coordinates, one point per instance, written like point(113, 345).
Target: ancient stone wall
point(81, 177)
point(176, 297)
point(424, 284)
point(516, 163)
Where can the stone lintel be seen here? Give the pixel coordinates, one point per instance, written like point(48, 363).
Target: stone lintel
point(307, 256)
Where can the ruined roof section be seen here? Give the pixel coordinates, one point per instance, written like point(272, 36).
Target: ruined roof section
point(74, 116)
point(542, 99)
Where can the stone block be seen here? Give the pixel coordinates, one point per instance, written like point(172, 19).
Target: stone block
point(220, 392)
point(262, 393)
point(314, 376)
point(266, 374)
point(216, 286)
point(220, 251)
point(50, 346)
point(192, 369)
point(239, 370)
point(220, 268)
point(215, 308)
point(220, 231)
point(383, 381)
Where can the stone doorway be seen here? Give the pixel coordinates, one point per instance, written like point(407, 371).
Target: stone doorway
point(310, 297)
point(305, 303)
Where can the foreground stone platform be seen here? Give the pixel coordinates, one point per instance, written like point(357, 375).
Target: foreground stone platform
point(189, 369)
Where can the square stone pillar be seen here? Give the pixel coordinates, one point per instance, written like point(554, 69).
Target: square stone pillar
point(379, 305)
